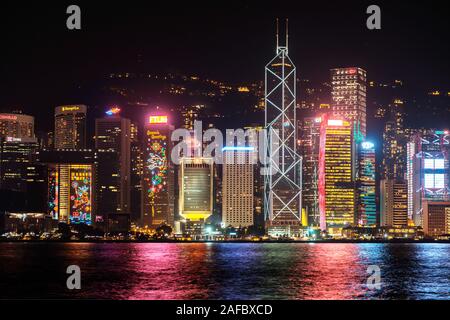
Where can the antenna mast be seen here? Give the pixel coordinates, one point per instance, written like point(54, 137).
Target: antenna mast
point(278, 32)
point(287, 34)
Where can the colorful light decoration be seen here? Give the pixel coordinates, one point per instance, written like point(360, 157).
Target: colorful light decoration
point(157, 165)
point(113, 111)
point(367, 145)
point(80, 195)
point(53, 195)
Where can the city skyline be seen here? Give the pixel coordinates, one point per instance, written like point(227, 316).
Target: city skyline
point(245, 151)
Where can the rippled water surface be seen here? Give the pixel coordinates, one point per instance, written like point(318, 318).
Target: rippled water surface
point(224, 270)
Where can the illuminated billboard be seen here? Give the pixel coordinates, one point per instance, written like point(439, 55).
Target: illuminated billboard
point(74, 108)
point(158, 120)
point(80, 194)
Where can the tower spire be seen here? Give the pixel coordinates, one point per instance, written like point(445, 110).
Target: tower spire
point(287, 33)
point(278, 35)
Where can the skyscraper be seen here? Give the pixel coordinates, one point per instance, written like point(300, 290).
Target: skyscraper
point(71, 192)
point(158, 174)
point(70, 127)
point(336, 175)
point(18, 147)
point(394, 143)
point(16, 155)
point(135, 175)
point(428, 170)
point(237, 186)
point(349, 95)
point(16, 126)
point(113, 133)
point(436, 218)
point(196, 188)
point(282, 205)
point(394, 203)
point(366, 194)
point(309, 146)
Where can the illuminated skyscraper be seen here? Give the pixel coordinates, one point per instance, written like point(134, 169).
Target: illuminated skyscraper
point(158, 176)
point(349, 95)
point(366, 194)
point(136, 174)
point(16, 156)
point(71, 189)
point(80, 182)
point(196, 188)
point(428, 170)
point(16, 126)
point(113, 133)
point(394, 164)
point(436, 218)
point(394, 203)
point(18, 148)
point(70, 127)
point(237, 186)
point(309, 146)
point(282, 205)
point(336, 175)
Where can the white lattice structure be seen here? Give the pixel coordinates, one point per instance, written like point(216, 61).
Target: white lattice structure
point(282, 205)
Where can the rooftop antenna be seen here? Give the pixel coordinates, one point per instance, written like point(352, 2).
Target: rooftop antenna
point(278, 32)
point(287, 33)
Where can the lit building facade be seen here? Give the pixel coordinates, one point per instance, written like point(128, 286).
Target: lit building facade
point(16, 126)
point(17, 155)
point(366, 185)
point(157, 202)
point(113, 133)
point(136, 175)
point(237, 186)
point(336, 175)
point(436, 218)
point(394, 203)
point(70, 193)
point(349, 95)
point(309, 148)
point(18, 148)
point(196, 188)
point(70, 127)
point(429, 169)
point(394, 165)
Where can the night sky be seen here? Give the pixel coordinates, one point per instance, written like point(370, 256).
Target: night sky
point(42, 63)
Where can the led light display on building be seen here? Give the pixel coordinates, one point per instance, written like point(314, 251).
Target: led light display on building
point(435, 165)
point(367, 214)
point(53, 194)
point(70, 192)
point(80, 194)
point(157, 163)
point(113, 111)
point(157, 179)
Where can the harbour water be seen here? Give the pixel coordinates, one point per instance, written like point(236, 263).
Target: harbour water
point(224, 270)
